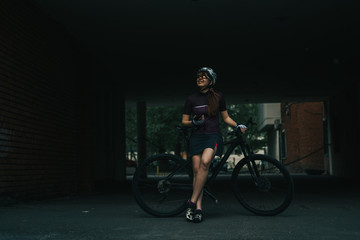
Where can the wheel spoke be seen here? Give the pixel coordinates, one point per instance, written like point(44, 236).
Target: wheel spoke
point(267, 194)
point(162, 184)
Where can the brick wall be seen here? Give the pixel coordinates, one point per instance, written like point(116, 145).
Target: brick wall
point(304, 135)
point(43, 111)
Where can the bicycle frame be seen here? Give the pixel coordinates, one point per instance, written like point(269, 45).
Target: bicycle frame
point(238, 141)
point(233, 144)
point(180, 178)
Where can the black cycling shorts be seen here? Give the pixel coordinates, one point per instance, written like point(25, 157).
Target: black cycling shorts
point(198, 142)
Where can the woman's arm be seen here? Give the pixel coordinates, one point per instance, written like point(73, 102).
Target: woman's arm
point(228, 120)
point(186, 122)
point(197, 121)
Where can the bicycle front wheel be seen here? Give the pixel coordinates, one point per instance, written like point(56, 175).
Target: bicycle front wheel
point(162, 185)
point(262, 185)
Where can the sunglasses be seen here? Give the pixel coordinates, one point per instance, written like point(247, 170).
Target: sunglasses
point(201, 76)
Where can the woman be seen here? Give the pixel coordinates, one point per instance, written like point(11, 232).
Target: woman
point(205, 106)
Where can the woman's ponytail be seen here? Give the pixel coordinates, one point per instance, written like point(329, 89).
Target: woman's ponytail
point(213, 102)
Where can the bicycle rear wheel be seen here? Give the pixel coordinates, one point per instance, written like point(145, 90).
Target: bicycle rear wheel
point(162, 185)
point(262, 185)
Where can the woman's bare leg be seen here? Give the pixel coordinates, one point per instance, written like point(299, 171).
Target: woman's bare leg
point(201, 164)
point(196, 166)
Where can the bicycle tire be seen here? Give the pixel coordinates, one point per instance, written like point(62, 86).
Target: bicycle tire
point(157, 195)
point(268, 194)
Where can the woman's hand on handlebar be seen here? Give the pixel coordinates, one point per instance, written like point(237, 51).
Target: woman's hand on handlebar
point(241, 127)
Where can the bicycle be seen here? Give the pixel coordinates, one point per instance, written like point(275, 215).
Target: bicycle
point(162, 184)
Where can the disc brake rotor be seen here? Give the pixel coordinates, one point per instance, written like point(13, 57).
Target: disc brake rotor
point(164, 186)
point(263, 184)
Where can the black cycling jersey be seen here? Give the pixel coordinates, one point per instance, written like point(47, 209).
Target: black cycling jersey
point(196, 104)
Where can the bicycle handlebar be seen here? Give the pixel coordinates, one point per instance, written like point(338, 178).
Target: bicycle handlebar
point(235, 132)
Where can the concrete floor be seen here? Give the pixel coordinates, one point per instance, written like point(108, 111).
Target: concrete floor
point(323, 208)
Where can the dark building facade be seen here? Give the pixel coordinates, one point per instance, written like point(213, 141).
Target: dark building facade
point(62, 119)
point(45, 108)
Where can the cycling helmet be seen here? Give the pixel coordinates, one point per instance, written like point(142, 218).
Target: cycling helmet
point(209, 73)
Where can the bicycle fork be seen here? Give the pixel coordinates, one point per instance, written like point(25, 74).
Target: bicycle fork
point(262, 183)
point(254, 172)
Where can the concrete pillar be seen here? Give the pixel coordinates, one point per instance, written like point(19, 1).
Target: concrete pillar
point(273, 144)
point(109, 164)
point(119, 142)
point(102, 164)
point(141, 130)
